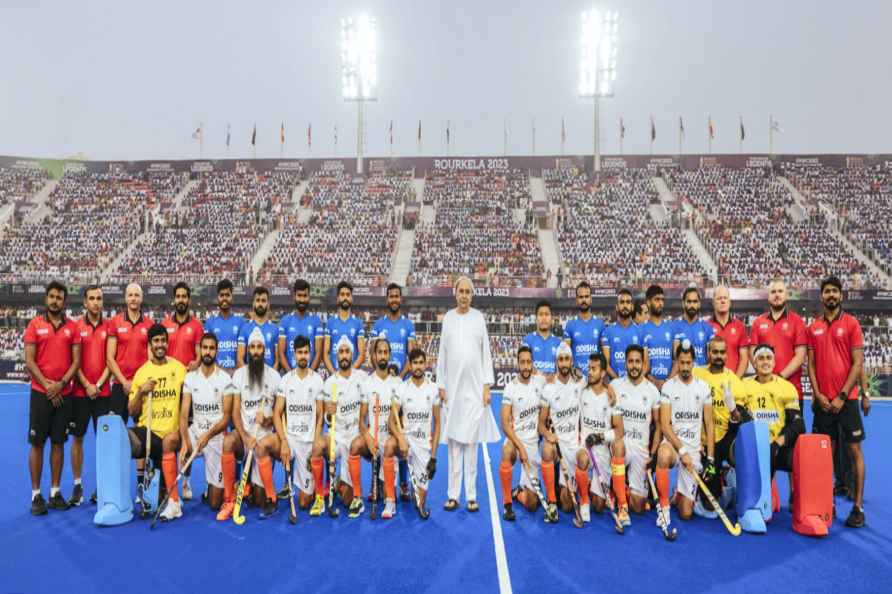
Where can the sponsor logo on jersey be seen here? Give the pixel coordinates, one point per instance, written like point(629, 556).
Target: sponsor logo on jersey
point(636, 415)
point(301, 408)
point(210, 407)
point(686, 415)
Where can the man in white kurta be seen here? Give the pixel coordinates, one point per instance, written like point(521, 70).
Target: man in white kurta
point(464, 375)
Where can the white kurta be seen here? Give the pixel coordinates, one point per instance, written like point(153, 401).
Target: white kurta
point(464, 365)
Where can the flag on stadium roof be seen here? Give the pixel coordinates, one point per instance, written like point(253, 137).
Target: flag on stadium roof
point(391, 132)
point(282, 134)
point(680, 125)
point(336, 136)
point(228, 134)
point(419, 131)
point(197, 134)
point(447, 131)
point(775, 125)
point(622, 128)
point(711, 128)
point(254, 136)
point(742, 130)
point(653, 129)
point(563, 130)
point(310, 135)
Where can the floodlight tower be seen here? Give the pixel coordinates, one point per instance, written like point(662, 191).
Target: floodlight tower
point(597, 65)
point(359, 70)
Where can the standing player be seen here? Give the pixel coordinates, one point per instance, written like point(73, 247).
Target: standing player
point(261, 321)
point(640, 312)
point(255, 386)
point(657, 336)
point(639, 402)
point(585, 330)
point(127, 347)
point(300, 323)
point(785, 331)
point(418, 404)
point(559, 427)
point(690, 327)
point(347, 382)
point(542, 342)
point(685, 408)
point(183, 330)
point(162, 377)
point(520, 421)
point(774, 400)
point(727, 389)
point(602, 427)
point(620, 335)
point(397, 329)
point(731, 329)
point(300, 401)
point(378, 392)
point(207, 395)
point(835, 359)
point(344, 324)
point(91, 390)
point(52, 357)
point(226, 326)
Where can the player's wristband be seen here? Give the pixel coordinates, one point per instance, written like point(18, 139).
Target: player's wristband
point(682, 451)
point(609, 435)
point(842, 396)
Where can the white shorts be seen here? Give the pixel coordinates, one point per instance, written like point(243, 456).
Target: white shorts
point(532, 449)
point(568, 452)
point(300, 457)
point(602, 459)
point(685, 483)
point(419, 456)
point(636, 459)
point(213, 456)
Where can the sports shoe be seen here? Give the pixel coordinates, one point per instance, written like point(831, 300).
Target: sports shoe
point(356, 508)
point(172, 511)
point(729, 490)
point(701, 511)
point(318, 506)
point(404, 492)
point(663, 517)
point(509, 514)
point(283, 492)
point(551, 514)
point(623, 516)
point(38, 505)
point(856, 518)
point(389, 509)
point(269, 509)
point(225, 512)
point(187, 489)
point(93, 498)
point(585, 513)
point(58, 503)
point(77, 496)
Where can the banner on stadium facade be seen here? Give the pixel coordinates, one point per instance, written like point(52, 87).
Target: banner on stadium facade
point(14, 371)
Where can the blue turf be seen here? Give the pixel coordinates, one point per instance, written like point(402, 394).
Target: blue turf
point(65, 552)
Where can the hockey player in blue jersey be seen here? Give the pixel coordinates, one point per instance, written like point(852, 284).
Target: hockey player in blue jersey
point(584, 331)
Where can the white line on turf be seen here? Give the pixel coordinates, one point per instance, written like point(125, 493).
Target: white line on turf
point(498, 541)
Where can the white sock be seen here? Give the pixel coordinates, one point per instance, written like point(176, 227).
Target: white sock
point(77, 481)
point(53, 491)
point(35, 493)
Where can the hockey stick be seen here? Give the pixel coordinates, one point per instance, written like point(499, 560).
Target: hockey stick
point(149, 489)
point(669, 535)
point(375, 463)
point(734, 529)
point(180, 475)
point(608, 495)
point(332, 453)
point(577, 519)
point(537, 488)
point(292, 517)
point(422, 513)
point(237, 516)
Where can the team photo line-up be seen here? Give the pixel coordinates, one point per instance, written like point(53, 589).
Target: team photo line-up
point(599, 417)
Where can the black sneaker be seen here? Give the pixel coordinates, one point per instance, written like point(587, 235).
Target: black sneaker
point(283, 492)
point(856, 518)
point(38, 505)
point(58, 503)
point(93, 498)
point(268, 509)
point(509, 514)
point(77, 496)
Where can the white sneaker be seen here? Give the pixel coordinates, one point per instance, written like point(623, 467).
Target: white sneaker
point(389, 510)
point(703, 512)
point(172, 511)
point(187, 489)
point(586, 513)
point(663, 517)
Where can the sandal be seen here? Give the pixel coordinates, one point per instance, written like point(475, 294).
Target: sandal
point(451, 505)
point(473, 507)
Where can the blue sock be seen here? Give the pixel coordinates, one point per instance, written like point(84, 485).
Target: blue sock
point(404, 472)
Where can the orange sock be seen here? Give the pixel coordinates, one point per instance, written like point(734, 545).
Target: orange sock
point(228, 463)
point(618, 478)
point(582, 484)
point(389, 478)
point(663, 486)
point(265, 465)
point(169, 469)
point(505, 472)
point(318, 469)
point(356, 474)
point(548, 476)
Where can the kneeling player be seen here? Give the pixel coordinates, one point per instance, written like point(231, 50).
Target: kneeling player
point(415, 437)
point(299, 400)
point(639, 402)
point(602, 426)
point(155, 399)
point(520, 419)
point(255, 385)
point(559, 426)
point(774, 400)
point(207, 394)
point(344, 385)
point(685, 407)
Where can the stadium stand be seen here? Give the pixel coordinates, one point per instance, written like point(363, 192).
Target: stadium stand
point(17, 186)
